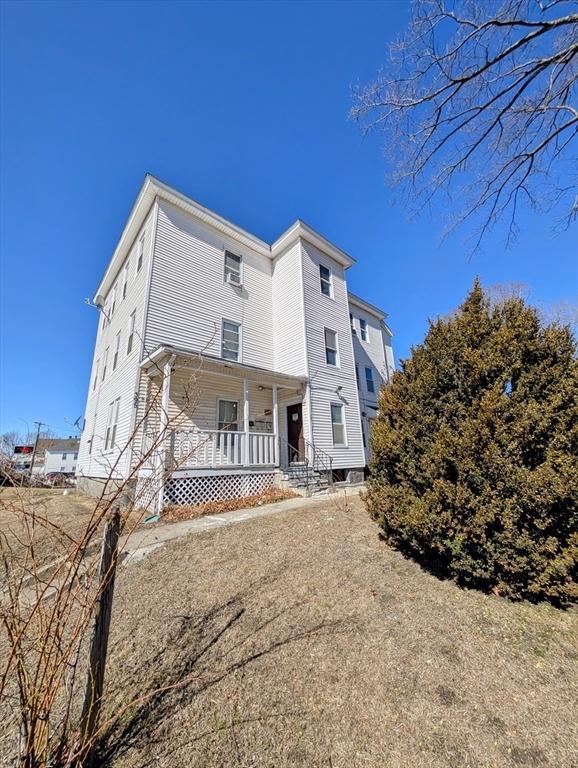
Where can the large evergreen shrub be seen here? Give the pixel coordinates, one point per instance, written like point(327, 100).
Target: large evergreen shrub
point(475, 451)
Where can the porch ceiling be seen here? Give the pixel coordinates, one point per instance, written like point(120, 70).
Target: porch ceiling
point(199, 361)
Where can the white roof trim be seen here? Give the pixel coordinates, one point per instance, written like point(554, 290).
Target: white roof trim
point(302, 230)
point(362, 304)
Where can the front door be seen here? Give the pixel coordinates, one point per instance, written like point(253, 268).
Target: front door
point(295, 433)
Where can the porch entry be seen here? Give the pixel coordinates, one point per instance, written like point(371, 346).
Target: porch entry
point(295, 439)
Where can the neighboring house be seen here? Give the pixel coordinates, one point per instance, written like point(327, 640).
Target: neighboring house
point(51, 455)
point(243, 350)
point(61, 460)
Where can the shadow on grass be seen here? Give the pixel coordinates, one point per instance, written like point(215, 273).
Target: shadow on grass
point(200, 653)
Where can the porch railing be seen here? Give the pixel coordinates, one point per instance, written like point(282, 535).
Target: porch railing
point(221, 448)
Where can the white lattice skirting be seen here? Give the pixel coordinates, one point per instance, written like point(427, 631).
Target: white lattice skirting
point(198, 490)
point(147, 490)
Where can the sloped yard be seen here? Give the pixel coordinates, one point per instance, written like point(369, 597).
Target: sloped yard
point(304, 641)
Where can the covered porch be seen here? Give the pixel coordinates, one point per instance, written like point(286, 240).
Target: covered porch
point(217, 415)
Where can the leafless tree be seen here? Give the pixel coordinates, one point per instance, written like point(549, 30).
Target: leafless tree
point(478, 101)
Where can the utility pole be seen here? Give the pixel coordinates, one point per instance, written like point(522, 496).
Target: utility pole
point(38, 424)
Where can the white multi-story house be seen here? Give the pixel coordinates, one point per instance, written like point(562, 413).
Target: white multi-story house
point(241, 354)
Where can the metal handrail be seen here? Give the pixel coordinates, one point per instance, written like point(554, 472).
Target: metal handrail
point(319, 461)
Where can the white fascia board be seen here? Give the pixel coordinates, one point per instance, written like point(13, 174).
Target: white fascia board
point(301, 230)
point(371, 308)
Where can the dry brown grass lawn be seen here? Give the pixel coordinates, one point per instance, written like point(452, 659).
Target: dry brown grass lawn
point(304, 641)
point(308, 642)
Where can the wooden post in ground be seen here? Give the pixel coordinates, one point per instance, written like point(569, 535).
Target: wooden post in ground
point(99, 639)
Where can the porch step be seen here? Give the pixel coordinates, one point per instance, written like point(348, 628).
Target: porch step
point(303, 478)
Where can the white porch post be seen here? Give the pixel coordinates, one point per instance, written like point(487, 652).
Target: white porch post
point(164, 422)
point(247, 449)
point(275, 426)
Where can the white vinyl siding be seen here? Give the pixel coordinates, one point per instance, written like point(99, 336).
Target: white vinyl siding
point(122, 381)
point(326, 379)
point(231, 341)
point(189, 297)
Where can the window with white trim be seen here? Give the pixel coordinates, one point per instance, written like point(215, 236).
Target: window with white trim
point(369, 380)
point(338, 423)
point(325, 280)
point(111, 424)
point(125, 279)
point(63, 457)
point(363, 329)
point(352, 323)
point(232, 272)
point(131, 324)
point(228, 415)
point(357, 376)
point(95, 381)
point(140, 252)
point(331, 349)
point(230, 341)
point(113, 304)
point(104, 364)
point(116, 351)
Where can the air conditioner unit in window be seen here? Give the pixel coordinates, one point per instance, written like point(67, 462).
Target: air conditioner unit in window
point(234, 278)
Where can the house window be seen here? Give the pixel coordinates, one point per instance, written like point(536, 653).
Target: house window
point(104, 363)
point(116, 351)
point(228, 416)
point(363, 329)
point(232, 268)
point(62, 469)
point(325, 280)
point(74, 468)
point(125, 280)
point(363, 434)
point(230, 340)
point(75, 456)
point(95, 375)
point(111, 424)
point(131, 323)
point(63, 457)
point(369, 380)
point(352, 323)
point(331, 354)
point(338, 423)
point(140, 252)
point(104, 316)
point(357, 375)
point(113, 305)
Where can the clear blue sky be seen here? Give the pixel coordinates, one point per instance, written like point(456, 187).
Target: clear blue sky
point(242, 106)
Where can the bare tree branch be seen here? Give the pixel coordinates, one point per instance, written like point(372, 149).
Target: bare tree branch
point(479, 101)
